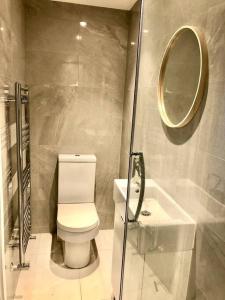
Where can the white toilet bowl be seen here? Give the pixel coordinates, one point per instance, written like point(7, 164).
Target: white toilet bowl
point(77, 225)
point(77, 220)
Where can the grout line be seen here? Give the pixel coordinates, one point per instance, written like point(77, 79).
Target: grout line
point(80, 289)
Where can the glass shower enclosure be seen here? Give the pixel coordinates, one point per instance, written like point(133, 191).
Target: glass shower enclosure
point(157, 234)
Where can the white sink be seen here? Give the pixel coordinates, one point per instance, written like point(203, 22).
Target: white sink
point(167, 228)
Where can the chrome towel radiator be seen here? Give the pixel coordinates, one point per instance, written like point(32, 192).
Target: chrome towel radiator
point(23, 171)
point(21, 100)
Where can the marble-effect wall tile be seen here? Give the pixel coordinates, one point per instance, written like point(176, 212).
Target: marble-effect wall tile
point(77, 90)
point(12, 61)
point(188, 163)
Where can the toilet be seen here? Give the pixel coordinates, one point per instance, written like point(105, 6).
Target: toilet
point(77, 218)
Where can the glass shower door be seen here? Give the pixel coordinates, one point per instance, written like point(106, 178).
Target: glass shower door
point(128, 158)
point(133, 262)
point(158, 234)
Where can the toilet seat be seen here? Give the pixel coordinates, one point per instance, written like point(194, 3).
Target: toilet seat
point(77, 217)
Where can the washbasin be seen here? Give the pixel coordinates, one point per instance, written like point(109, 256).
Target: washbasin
point(162, 224)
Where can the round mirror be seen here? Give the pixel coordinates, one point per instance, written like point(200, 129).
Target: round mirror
point(182, 76)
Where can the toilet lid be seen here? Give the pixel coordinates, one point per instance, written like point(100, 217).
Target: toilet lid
point(77, 217)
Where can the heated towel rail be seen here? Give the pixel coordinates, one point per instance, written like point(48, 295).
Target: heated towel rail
point(21, 100)
point(23, 170)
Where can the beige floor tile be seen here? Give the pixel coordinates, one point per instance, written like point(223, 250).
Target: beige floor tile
point(69, 290)
point(45, 243)
point(40, 283)
point(106, 267)
point(95, 286)
point(104, 240)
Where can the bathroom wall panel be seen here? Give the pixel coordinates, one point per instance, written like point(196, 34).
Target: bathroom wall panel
point(49, 68)
point(77, 90)
point(129, 88)
point(188, 162)
point(12, 62)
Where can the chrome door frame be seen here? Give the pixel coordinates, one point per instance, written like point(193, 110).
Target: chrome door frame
point(138, 58)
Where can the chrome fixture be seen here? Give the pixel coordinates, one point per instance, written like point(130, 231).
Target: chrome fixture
point(23, 172)
point(138, 173)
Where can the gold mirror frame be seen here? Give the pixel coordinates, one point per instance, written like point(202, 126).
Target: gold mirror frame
point(201, 82)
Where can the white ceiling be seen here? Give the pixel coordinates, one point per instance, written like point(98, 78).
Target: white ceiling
point(119, 4)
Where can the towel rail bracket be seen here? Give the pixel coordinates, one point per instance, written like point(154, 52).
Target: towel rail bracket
point(19, 267)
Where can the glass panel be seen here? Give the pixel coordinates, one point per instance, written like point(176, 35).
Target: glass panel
point(134, 262)
point(159, 243)
point(120, 186)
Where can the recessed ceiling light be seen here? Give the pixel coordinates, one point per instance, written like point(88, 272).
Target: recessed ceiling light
point(145, 31)
point(83, 24)
point(132, 43)
point(79, 37)
point(1, 28)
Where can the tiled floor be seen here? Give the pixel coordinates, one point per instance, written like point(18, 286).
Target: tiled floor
point(40, 283)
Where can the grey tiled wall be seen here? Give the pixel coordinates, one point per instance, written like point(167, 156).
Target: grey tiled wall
point(77, 89)
point(188, 163)
point(129, 87)
point(12, 68)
